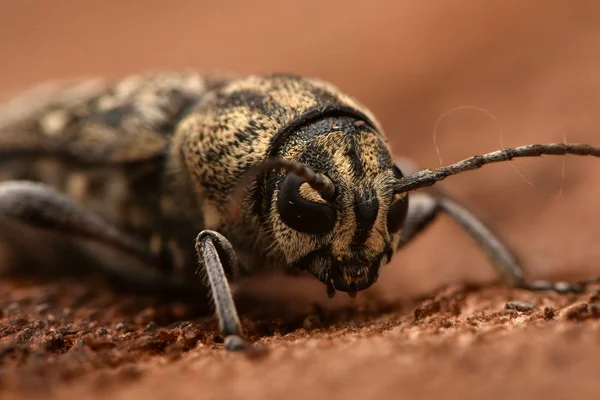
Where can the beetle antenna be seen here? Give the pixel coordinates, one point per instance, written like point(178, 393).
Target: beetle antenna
point(428, 177)
point(321, 183)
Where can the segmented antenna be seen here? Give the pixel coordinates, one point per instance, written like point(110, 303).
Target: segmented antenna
point(317, 181)
point(428, 177)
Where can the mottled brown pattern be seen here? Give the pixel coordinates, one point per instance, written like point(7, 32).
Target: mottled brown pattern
point(159, 155)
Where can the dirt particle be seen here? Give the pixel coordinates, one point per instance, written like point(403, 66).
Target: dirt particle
point(426, 309)
point(38, 324)
point(577, 312)
point(101, 332)
point(68, 329)
point(446, 323)
point(122, 327)
point(190, 335)
point(42, 308)
point(549, 313)
point(150, 327)
point(55, 343)
point(24, 335)
point(150, 343)
point(312, 322)
point(521, 306)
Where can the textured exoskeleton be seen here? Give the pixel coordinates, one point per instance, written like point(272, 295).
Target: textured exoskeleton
point(150, 163)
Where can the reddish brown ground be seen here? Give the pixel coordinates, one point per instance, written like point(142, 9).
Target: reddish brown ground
point(532, 64)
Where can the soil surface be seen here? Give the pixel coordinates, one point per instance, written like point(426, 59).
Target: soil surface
point(71, 340)
point(515, 73)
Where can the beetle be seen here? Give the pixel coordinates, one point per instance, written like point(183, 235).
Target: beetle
point(264, 171)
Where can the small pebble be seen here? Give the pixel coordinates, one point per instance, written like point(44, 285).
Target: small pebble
point(549, 313)
point(39, 324)
point(123, 327)
point(151, 326)
point(101, 332)
point(24, 335)
point(577, 312)
point(521, 306)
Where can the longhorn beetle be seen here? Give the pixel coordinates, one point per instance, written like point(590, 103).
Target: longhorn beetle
point(264, 171)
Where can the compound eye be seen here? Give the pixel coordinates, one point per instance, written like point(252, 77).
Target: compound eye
point(399, 207)
point(301, 213)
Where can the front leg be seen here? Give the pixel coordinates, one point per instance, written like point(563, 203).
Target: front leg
point(214, 250)
point(425, 207)
point(41, 206)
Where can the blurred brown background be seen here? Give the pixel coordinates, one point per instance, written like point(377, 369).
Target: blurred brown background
point(532, 64)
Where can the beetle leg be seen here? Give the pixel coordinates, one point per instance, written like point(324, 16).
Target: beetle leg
point(425, 207)
point(215, 251)
point(41, 206)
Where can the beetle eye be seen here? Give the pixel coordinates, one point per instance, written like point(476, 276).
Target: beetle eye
point(399, 207)
point(301, 214)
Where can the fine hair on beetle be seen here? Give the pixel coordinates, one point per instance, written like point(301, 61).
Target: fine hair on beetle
point(299, 173)
point(264, 171)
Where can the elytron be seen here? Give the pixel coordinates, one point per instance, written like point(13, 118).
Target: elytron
point(263, 171)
